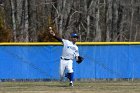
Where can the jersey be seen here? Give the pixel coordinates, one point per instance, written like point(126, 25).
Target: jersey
point(70, 50)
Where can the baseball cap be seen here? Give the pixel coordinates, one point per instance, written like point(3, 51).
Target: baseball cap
point(74, 35)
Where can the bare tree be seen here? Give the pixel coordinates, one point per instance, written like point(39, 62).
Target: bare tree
point(94, 20)
point(13, 10)
point(32, 20)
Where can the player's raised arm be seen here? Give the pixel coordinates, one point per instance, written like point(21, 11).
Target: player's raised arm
point(54, 35)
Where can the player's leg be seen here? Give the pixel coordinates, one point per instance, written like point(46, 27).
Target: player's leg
point(70, 76)
point(70, 73)
point(62, 69)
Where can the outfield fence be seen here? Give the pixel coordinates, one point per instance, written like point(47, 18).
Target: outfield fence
point(103, 60)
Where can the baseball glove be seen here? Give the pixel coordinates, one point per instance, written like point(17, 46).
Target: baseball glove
point(80, 59)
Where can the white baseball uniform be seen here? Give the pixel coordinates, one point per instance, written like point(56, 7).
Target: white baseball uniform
point(70, 51)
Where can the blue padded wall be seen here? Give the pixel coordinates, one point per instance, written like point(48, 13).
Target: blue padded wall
point(42, 62)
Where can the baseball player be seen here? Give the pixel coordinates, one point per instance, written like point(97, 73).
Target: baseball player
point(70, 51)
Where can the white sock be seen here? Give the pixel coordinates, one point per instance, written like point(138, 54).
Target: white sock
point(71, 82)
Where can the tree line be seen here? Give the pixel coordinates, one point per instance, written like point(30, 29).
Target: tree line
point(93, 20)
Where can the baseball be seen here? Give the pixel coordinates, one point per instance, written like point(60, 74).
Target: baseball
point(50, 28)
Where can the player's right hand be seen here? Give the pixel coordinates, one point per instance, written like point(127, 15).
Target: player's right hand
point(51, 31)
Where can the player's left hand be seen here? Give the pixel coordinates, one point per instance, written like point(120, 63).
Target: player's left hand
point(79, 59)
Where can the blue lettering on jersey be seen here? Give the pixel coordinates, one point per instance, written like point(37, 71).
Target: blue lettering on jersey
point(73, 48)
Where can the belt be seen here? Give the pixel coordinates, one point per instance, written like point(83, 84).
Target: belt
point(65, 58)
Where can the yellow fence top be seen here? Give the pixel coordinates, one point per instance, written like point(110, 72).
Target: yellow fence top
point(59, 43)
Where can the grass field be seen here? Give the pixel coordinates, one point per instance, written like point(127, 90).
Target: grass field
point(79, 87)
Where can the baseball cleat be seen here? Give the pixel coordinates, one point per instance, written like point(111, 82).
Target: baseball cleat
point(71, 84)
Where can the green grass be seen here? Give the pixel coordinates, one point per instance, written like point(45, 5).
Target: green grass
point(79, 87)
